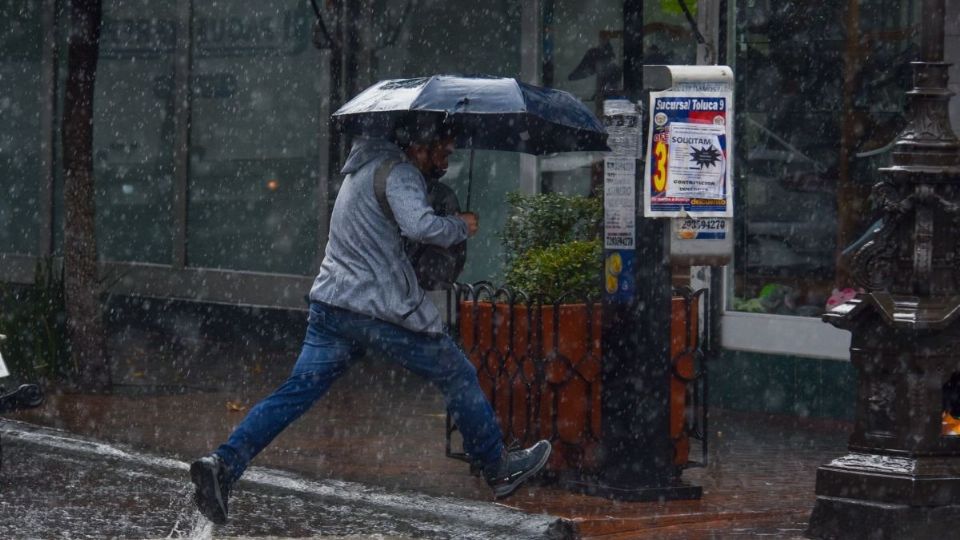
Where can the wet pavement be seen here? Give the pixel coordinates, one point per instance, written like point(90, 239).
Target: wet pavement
point(57, 485)
point(382, 430)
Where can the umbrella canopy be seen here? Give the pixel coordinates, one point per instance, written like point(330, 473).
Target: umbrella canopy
point(491, 113)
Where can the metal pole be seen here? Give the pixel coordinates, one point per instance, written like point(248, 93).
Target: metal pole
point(48, 82)
point(183, 67)
point(469, 179)
point(650, 454)
point(635, 397)
point(336, 100)
point(932, 30)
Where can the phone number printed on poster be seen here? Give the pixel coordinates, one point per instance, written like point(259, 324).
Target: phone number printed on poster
point(688, 161)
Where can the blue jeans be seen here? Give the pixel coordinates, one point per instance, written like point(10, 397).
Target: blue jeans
point(336, 338)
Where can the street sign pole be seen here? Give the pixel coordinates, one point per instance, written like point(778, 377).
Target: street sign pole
point(637, 452)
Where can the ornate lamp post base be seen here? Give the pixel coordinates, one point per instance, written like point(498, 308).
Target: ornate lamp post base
point(881, 497)
point(914, 481)
point(901, 478)
point(857, 519)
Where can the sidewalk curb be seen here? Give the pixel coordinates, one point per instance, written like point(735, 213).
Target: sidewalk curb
point(492, 517)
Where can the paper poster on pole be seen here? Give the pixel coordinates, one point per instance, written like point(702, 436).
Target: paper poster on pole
point(619, 203)
point(621, 118)
point(688, 166)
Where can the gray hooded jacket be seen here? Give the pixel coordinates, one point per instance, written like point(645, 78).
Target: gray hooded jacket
point(365, 268)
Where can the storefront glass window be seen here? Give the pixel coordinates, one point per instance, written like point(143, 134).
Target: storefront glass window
point(819, 97)
point(583, 54)
point(668, 37)
point(133, 131)
point(257, 105)
point(20, 131)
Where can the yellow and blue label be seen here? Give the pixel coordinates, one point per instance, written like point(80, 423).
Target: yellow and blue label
point(619, 273)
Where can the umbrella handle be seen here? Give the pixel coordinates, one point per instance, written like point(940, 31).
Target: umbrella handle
point(469, 181)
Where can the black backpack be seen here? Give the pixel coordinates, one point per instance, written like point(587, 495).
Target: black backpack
point(436, 267)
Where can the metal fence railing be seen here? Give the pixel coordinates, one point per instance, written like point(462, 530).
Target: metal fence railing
point(540, 366)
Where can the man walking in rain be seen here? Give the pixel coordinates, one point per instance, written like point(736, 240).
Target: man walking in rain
point(366, 299)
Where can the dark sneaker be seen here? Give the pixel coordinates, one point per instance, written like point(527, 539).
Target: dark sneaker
point(515, 467)
point(212, 478)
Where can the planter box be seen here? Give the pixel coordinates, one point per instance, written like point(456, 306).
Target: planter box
point(540, 366)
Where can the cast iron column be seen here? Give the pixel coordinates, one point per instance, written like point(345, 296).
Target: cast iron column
point(901, 477)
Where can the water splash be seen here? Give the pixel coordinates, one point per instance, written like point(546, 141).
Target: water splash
point(201, 528)
point(190, 522)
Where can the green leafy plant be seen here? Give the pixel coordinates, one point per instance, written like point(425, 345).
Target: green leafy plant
point(538, 221)
point(552, 246)
point(564, 272)
point(34, 320)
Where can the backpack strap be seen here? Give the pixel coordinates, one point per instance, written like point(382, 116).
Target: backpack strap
point(380, 185)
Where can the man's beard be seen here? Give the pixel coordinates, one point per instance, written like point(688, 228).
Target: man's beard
point(435, 173)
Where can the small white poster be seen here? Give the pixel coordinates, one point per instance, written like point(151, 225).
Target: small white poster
point(3, 368)
point(696, 163)
point(620, 202)
point(621, 117)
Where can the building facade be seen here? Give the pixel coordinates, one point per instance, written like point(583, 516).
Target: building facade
point(216, 167)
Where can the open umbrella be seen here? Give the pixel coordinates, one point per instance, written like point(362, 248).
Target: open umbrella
point(483, 112)
point(491, 113)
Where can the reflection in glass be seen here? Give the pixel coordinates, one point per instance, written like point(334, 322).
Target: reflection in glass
point(819, 98)
point(133, 131)
point(256, 102)
point(20, 145)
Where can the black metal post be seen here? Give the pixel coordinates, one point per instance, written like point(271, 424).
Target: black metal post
point(335, 144)
point(637, 451)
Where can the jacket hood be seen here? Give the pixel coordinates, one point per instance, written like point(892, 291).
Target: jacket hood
point(366, 149)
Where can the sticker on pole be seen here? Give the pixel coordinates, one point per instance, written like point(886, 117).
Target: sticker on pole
point(619, 203)
point(689, 164)
point(699, 229)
